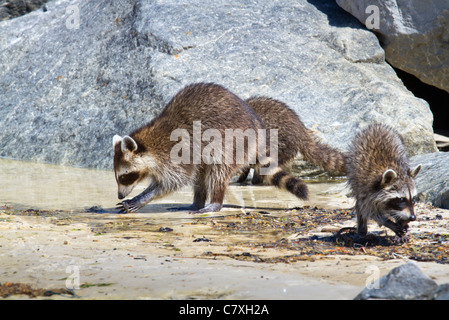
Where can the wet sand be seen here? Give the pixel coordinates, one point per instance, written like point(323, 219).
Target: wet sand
point(58, 228)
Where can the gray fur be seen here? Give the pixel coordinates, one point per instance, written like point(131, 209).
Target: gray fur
point(381, 180)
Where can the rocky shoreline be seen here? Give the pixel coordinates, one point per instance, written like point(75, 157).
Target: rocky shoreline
point(75, 73)
point(81, 72)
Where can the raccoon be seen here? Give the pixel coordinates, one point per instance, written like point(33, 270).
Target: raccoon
point(148, 151)
point(293, 137)
point(381, 180)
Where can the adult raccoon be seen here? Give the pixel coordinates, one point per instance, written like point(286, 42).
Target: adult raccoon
point(148, 151)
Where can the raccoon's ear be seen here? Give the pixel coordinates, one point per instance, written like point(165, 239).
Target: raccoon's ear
point(414, 172)
point(388, 177)
point(128, 144)
point(116, 139)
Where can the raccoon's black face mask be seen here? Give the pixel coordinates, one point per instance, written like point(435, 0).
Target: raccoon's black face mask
point(126, 175)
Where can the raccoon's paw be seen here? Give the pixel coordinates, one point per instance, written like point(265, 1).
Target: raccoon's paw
point(400, 239)
point(401, 234)
point(212, 207)
point(128, 206)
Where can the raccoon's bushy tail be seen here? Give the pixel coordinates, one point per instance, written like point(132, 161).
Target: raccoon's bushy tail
point(321, 154)
point(279, 178)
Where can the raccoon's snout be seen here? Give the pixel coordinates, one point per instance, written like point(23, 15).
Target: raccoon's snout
point(124, 191)
point(405, 220)
point(411, 216)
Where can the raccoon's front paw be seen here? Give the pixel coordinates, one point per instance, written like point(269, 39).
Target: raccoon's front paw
point(128, 206)
point(400, 239)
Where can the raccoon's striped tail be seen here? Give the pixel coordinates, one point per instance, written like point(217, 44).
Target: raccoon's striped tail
point(277, 177)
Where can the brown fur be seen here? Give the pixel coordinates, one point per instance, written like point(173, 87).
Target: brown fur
point(294, 137)
point(146, 152)
point(381, 179)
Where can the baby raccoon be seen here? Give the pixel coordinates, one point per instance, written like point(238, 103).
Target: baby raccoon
point(381, 180)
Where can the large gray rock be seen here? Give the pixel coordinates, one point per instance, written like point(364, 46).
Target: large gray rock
point(406, 282)
point(442, 293)
point(414, 34)
point(82, 71)
point(432, 182)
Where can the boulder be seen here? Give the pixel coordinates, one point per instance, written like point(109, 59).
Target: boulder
point(442, 293)
point(432, 182)
point(413, 34)
point(406, 282)
point(81, 71)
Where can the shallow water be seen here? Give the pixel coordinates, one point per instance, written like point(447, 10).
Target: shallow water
point(44, 186)
point(130, 250)
point(133, 254)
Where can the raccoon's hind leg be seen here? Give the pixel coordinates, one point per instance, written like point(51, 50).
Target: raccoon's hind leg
point(257, 179)
point(243, 175)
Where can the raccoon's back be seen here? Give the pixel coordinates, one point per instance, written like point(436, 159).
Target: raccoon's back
point(213, 105)
point(208, 104)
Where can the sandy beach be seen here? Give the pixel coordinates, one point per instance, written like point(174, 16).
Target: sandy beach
point(58, 229)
